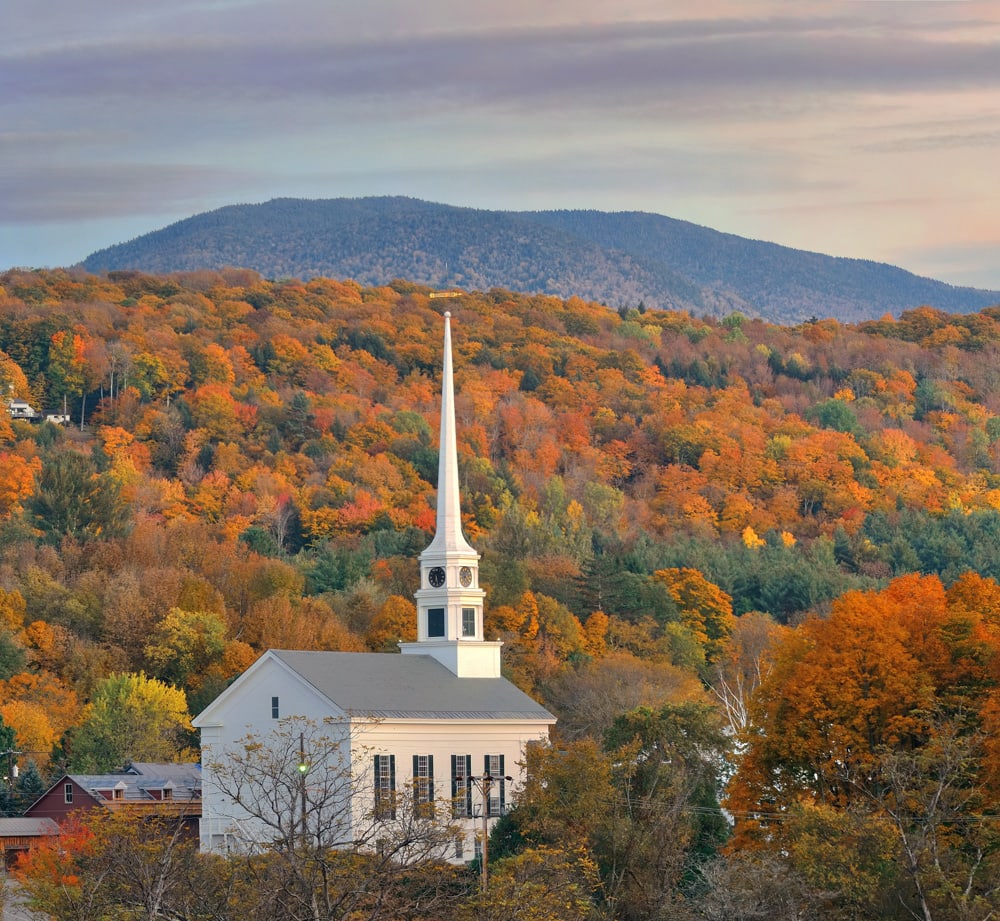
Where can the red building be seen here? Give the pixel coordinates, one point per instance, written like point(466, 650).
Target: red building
point(140, 788)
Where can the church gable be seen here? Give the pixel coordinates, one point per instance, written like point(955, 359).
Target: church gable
point(266, 692)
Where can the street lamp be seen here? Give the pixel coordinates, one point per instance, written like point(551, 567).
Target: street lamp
point(11, 765)
point(483, 784)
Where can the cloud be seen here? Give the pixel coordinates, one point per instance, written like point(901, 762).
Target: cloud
point(78, 191)
point(607, 64)
point(944, 140)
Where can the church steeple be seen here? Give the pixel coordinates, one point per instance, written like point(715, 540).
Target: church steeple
point(449, 600)
point(448, 536)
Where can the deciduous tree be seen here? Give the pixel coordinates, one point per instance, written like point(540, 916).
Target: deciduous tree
point(328, 858)
point(131, 717)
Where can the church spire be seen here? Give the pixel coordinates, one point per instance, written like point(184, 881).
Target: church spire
point(448, 536)
point(449, 600)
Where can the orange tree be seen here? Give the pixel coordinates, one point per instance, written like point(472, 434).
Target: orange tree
point(108, 865)
point(880, 708)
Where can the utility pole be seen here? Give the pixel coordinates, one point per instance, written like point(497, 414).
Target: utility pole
point(483, 784)
point(484, 878)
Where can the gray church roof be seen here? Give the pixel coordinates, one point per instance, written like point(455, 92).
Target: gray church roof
point(391, 686)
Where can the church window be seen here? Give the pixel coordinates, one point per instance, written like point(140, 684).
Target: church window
point(461, 786)
point(468, 621)
point(385, 786)
point(423, 784)
point(435, 621)
point(274, 708)
point(494, 766)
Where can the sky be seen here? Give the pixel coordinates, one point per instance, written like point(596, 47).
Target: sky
point(864, 129)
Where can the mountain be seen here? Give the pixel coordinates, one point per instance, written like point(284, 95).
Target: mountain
point(619, 258)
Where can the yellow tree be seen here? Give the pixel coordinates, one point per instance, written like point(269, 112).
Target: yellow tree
point(395, 622)
point(705, 609)
point(131, 717)
point(539, 884)
point(185, 644)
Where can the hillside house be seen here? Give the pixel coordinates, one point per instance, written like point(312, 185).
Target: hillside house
point(22, 409)
point(436, 722)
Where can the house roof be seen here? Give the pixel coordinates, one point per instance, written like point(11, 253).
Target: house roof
point(392, 686)
point(140, 779)
point(21, 827)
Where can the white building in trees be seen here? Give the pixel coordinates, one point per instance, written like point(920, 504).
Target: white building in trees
point(340, 745)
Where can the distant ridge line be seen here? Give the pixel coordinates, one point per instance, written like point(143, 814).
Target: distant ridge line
point(620, 258)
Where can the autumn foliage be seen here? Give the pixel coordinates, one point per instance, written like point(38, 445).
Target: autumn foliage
point(798, 526)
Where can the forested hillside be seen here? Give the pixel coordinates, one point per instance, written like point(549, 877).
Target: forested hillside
point(781, 544)
point(619, 259)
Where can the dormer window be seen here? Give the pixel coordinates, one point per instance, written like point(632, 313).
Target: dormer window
point(168, 793)
point(118, 793)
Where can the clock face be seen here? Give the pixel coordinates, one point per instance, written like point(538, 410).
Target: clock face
point(436, 577)
point(465, 576)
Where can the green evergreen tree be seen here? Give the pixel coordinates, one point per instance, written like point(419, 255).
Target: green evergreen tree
point(74, 500)
point(8, 740)
point(30, 785)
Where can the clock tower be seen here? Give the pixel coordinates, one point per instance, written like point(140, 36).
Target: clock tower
point(449, 600)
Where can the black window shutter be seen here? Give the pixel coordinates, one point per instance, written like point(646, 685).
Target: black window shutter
point(503, 783)
point(392, 773)
point(454, 777)
point(468, 784)
point(430, 778)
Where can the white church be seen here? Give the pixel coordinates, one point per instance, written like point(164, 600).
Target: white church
point(437, 722)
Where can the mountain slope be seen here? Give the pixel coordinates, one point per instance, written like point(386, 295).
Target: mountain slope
point(616, 258)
